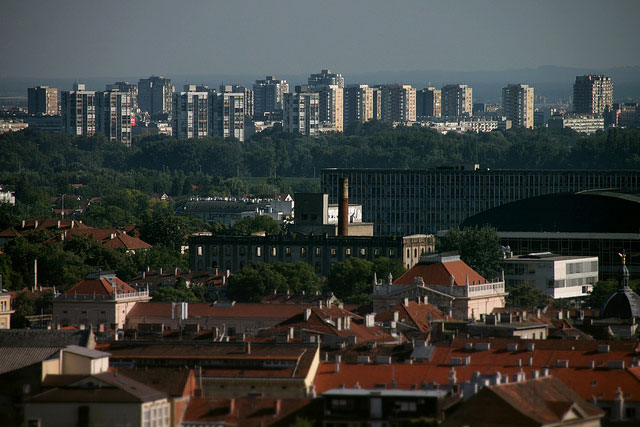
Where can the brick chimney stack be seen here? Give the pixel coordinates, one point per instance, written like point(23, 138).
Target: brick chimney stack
point(343, 208)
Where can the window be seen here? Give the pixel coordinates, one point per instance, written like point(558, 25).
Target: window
point(392, 252)
point(363, 252)
point(334, 252)
point(199, 250)
point(318, 251)
point(214, 250)
point(287, 251)
point(274, 251)
point(376, 251)
point(227, 250)
point(303, 251)
point(347, 251)
point(258, 251)
point(243, 250)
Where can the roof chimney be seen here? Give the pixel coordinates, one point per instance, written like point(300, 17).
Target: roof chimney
point(343, 208)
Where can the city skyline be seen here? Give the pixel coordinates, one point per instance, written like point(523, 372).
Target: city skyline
point(92, 40)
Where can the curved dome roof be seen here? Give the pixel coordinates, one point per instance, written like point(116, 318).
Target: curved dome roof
point(586, 212)
point(622, 303)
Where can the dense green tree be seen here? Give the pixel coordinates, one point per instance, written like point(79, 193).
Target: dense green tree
point(351, 280)
point(526, 296)
point(256, 280)
point(382, 266)
point(256, 224)
point(478, 247)
point(602, 289)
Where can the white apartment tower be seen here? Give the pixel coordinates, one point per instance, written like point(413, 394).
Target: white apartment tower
point(457, 101)
point(227, 115)
point(113, 115)
point(517, 105)
point(301, 113)
point(398, 103)
point(358, 104)
point(79, 110)
point(268, 96)
point(190, 114)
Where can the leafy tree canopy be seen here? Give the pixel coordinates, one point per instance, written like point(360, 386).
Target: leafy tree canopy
point(478, 247)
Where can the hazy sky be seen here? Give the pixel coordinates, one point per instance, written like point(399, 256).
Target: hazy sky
point(85, 38)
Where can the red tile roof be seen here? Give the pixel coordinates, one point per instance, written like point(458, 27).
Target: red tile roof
point(418, 315)
point(110, 238)
point(439, 274)
point(538, 402)
point(100, 286)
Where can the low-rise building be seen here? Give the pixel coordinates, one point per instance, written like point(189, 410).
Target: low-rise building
point(100, 299)
point(321, 251)
point(448, 282)
point(5, 308)
point(555, 275)
point(584, 123)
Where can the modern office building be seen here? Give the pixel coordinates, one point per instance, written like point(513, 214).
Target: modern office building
point(42, 100)
point(358, 104)
point(155, 95)
point(326, 78)
point(402, 202)
point(227, 115)
point(127, 87)
point(301, 113)
point(190, 113)
point(398, 103)
point(269, 97)
point(592, 94)
point(113, 115)
point(517, 105)
point(457, 101)
point(79, 110)
point(554, 275)
point(624, 115)
point(598, 223)
point(428, 103)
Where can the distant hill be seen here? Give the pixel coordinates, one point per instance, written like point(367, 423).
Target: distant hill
point(551, 81)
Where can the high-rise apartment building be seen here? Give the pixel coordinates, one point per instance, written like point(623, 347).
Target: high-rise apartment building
point(269, 97)
point(227, 114)
point(301, 113)
point(517, 105)
point(457, 101)
point(330, 107)
point(428, 102)
point(326, 78)
point(42, 100)
point(592, 94)
point(113, 115)
point(398, 103)
point(377, 103)
point(358, 104)
point(249, 101)
point(79, 110)
point(127, 87)
point(190, 117)
point(155, 95)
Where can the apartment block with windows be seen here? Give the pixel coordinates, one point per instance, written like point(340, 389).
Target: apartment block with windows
point(301, 113)
point(190, 114)
point(42, 100)
point(358, 104)
point(269, 97)
point(155, 95)
point(517, 105)
point(428, 103)
point(79, 111)
point(592, 94)
point(398, 103)
point(457, 101)
point(113, 115)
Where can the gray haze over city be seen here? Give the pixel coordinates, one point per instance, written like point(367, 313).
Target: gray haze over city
point(368, 40)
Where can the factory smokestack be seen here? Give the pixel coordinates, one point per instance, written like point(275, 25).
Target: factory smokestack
point(343, 208)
